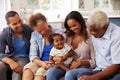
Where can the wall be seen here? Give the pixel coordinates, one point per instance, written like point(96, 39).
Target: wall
point(115, 20)
point(4, 7)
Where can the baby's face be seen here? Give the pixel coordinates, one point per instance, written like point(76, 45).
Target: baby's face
point(58, 42)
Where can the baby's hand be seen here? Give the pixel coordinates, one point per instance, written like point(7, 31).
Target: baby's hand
point(58, 59)
point(50, 64)
point(56, 66)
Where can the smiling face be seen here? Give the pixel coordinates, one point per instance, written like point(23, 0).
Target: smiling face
point(74, 25)
point(15, 23)
point(97, 33)
point(42, 28)
point(58, 42)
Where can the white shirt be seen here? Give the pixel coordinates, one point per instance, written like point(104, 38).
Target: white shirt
point(61, 52)
point(107, 47)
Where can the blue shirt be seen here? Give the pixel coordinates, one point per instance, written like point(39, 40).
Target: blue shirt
point(46, 52)
point(20, 47)
point(107, 47)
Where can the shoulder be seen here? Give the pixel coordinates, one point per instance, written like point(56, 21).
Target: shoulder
point(88, 41)
point(27, 28)
point(6, 31)
point(115, 31)
point(115, 28)
point(36, 35)
point(52, 50)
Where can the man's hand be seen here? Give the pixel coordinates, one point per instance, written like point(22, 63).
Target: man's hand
point(87, 77)
point(16, 67)
point(13, 65)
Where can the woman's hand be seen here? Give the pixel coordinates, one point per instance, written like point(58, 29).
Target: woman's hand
point(75, 64)
point(46, 64)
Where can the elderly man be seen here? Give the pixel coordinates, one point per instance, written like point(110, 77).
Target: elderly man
point(106, 42)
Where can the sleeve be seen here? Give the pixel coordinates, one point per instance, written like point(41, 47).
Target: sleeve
point(115, 49)
point(2, 45)
point(92, 55)
point(34, 48)
point(67, 47)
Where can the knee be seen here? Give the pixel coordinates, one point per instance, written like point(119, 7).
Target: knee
point(50, 72)
point(40, 77)
point(53, 73)
point(84, 72)
point(116, 77)
point(2, 67)
point(27, 75)
point(27, 72)
point(69, 73)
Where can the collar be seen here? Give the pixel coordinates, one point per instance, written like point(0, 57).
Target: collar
point(108, 32)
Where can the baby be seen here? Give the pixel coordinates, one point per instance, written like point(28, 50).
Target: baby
point(60, 48)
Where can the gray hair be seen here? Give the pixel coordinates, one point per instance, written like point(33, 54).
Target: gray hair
point(98, 20)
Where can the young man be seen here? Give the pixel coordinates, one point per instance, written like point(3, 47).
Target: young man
point(106, 41)
point(14, 46)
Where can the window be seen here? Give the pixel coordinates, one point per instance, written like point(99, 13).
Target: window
point(51, 8)
point(56, 10)
point(111, 7)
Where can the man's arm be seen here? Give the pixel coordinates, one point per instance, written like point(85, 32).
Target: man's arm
point(13, 65)
point(111, 70)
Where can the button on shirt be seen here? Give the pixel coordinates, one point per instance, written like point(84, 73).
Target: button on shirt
point(107, 47)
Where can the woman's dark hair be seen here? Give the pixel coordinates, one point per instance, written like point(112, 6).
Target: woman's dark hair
point(51, 37)
point(10, 14)
point(78, 17)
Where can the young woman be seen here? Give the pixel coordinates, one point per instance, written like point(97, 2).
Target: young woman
point(76, 37)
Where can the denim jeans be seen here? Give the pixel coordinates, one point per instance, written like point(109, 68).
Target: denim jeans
point(54, 73)
point(116, 77)
point(74, 74)
point(113, 77)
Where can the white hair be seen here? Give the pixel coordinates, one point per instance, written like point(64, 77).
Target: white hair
point(98, 19)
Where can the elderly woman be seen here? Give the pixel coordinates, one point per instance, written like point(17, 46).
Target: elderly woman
point(39, 48)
